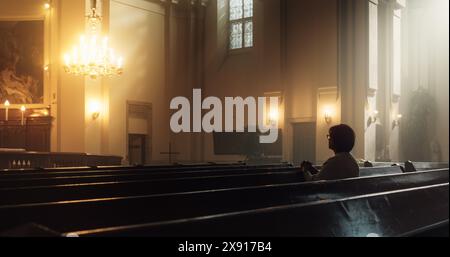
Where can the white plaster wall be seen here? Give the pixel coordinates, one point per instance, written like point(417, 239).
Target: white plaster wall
point(137, 33)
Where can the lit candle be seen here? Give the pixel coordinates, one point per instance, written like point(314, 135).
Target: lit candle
point(23, 109)
point(6, 110)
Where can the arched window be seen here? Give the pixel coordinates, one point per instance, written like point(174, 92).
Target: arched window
point(241, 24)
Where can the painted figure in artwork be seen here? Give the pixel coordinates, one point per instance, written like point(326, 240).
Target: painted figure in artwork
point(21, 62)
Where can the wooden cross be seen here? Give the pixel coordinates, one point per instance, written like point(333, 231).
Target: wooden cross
point(170, 153)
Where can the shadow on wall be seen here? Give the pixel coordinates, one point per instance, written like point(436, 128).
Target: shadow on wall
point(419, 140)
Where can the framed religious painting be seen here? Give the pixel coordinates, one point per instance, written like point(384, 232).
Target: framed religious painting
point(22, 61)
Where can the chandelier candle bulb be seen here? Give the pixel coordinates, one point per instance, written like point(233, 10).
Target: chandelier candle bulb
point(93, 56)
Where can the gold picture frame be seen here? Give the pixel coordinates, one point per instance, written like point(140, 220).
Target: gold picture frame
point(37, 70)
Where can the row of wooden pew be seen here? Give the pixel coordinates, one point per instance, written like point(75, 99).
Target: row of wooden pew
point(220, 200)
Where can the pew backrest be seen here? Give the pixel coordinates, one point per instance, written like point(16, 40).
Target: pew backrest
point(393, 213)
point(374, 171)
point(418, 166)
point(149, 168)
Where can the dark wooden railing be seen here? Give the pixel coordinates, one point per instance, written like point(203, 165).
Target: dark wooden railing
point(20, 159)
point(33, 134)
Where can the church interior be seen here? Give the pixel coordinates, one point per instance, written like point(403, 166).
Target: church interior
point(87, 91)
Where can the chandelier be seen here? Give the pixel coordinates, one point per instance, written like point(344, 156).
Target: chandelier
point(92, 56)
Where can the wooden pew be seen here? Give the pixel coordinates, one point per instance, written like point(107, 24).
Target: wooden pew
point(375, 171)
point(76, 177)
point(110, 211)
point(420, 166)
point(118, 176)
point(76, 191)
point(281, 175)
point(369, 164)
point(162, 171)
point(413, 166)
point(386, 214)
point(149, 168)
point(440, 229)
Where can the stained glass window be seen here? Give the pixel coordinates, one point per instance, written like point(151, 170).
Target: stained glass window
point(241, 24)
point(236, 35)
point(248, 34)
point(248, 8)
point(235, 10)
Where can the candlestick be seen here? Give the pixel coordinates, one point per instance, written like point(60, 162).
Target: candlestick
point(23, 109)
point(6, 110)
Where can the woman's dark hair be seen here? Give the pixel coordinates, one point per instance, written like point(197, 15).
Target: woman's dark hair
point(343, 138)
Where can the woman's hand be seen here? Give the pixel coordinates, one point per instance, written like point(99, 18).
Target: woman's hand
point(306, 166)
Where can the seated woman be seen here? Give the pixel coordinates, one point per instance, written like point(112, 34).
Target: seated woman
point(341, 140)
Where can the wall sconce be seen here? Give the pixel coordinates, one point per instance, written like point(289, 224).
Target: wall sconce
point(396, 122)
point(94, 109)
point(274, 116)
point(47, 6)
point(327, 116)
point(273, 112)
point(373, 118)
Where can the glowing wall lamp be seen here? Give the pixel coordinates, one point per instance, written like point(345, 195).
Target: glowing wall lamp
point(373, 118)
point(94, 109)
point(273, 110)
point(47, 6)
point(327, 114)
point(396, 122)
point(274, 115)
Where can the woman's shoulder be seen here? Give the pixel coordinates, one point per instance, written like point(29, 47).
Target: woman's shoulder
point(342, 157)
